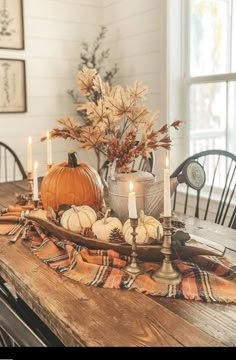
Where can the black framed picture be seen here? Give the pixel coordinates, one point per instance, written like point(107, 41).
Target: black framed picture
point(11, 24)
point(12, 86)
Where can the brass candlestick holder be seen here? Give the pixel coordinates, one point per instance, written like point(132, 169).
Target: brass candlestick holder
point(30, 187)
point(134, 268)
point(167, 274)
point(36, 204)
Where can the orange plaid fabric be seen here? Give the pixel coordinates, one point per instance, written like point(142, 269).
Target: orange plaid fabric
point(205, 278)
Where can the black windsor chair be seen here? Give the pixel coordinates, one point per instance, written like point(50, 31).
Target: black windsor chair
point(11, 168)
point(216, 201)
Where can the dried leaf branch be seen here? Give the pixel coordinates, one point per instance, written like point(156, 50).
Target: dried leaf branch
point(119, 125)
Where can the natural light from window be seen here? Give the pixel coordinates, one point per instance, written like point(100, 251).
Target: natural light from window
point(212, 75)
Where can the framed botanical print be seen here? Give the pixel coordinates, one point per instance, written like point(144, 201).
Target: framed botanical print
point(11, 24)
point(12, 86)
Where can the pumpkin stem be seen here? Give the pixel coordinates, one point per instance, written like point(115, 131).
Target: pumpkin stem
point(74, 208)
point(106, 216)
point(141, 216)
point(72, 160)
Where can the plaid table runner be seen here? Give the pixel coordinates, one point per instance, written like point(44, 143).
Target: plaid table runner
point(205, 278)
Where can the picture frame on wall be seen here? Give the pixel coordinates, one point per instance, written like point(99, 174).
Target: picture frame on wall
point(12, 86)
point(11, 24)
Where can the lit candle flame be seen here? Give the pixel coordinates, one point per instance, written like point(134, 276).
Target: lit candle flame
point(29, 140)
point(131, 186)
point(48, 135)
point(35, 165)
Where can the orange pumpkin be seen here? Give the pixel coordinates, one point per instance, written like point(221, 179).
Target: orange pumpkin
point(71, 183)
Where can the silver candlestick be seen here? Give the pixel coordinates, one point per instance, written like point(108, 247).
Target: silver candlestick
point(167, 274)
point(134, 268)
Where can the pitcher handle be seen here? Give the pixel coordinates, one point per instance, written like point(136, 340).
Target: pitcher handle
point(112, 170)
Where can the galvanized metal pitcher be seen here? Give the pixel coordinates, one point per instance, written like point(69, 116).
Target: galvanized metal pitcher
point(149, 193)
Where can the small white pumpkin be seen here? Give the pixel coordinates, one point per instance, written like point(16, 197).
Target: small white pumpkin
point(78, 217)
point(148, 229)
point(102, 228)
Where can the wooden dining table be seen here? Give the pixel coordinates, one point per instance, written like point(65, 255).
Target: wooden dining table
point(81, 315)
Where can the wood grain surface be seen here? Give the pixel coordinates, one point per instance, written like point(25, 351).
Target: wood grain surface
point(86, 316)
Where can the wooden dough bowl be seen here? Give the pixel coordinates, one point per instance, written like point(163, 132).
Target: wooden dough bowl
point(195, 246)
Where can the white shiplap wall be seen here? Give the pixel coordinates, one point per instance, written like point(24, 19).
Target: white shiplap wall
point(54, 30)
point(137, 39)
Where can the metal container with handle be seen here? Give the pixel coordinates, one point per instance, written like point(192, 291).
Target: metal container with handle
point(148, 191)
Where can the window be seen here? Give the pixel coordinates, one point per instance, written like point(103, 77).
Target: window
point(211, 79)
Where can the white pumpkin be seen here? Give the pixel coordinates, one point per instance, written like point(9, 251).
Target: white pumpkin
point(148, 229)
point(102, 228)
point(78, 217)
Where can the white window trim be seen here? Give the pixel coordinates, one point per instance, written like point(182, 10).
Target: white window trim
point(212, 78)
point(178, 79)
point(178, 76)
point(176, 83)
point(188, 80)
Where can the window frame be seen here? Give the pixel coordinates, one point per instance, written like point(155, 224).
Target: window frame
point(193, 80)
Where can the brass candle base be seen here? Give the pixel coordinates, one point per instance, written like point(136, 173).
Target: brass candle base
point(36, 203)
point(30, 187)
point(134, 269)
point(167, 274)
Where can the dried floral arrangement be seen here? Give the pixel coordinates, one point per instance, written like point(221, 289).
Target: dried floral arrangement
point(121, 126)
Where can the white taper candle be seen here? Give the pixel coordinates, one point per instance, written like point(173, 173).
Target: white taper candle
point(29, 155)
point(167, 202)
point(132, 202)
point(49, 149)
point(35, 182)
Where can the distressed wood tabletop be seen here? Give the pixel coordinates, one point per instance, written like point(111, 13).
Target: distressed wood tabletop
point(86, 316)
